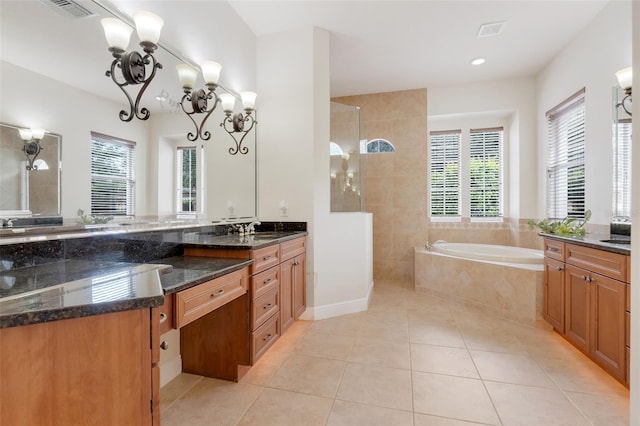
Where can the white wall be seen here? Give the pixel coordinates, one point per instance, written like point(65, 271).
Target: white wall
point(293, 82)
point(589, 61)
point(33, 100)
point(516, 96)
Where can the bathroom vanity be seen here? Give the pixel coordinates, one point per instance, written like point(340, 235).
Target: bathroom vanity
point(81, 314)
point(587, 297)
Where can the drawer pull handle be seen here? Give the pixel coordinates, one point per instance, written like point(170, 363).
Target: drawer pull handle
point(218, 293)
point(267, 281)
point(164, 345)
point(266, 257)
point(163, 317)
point(267, 306)
point(269, 336)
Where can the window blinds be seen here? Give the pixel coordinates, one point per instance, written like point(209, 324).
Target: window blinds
point(485, 172)
point(565, 159)
point(444, 172)
point(622, 171)
point(187, 180)
point(112, 176)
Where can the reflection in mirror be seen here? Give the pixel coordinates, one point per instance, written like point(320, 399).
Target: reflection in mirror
point(622, 159)
point(23, 191)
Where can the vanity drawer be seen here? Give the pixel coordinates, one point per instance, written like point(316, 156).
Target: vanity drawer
point(198, 301)
point(264, 282)
point(609, 264)
point(292, 248)
point(264, 337)
point(265, 258)
point(554, 249)
point(265, 306)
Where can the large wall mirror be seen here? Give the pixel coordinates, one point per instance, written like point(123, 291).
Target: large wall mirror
point(76, 102)
point(622, 144)
point(24, 190)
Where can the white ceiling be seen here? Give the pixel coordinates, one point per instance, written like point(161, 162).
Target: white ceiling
point(376, 46)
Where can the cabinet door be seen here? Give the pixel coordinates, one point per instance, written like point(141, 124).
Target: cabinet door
point(607, 343)
point(286, 294)
point(299, 287)
point(577, 307)
point(554, 293)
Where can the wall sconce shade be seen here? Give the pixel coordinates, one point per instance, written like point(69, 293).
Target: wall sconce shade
point(228, 102)
point(625, 80)
point(31, 146)
point(187, 76)
point(248, 100)
point(132, 65)
point(210, 72)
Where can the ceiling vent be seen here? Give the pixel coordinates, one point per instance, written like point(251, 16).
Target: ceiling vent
point(491, 29)
point(69, 8)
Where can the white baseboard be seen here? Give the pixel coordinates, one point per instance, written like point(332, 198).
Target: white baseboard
point(170, 370)
point(337, 309)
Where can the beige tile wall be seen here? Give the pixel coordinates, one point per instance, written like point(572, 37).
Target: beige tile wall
point(395, 185)
point(394, 189)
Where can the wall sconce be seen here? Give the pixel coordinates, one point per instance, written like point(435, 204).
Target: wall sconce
point(199, 98)
point(625, 80)
point(236, 123)
point(31, 146)
point(132, 65)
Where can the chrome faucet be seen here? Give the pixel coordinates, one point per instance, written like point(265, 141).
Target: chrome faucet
point(250, 227)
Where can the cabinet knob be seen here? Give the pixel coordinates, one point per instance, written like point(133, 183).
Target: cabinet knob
point(296, 263)
point(163, 317)
point(558, 268)
point(164, 345)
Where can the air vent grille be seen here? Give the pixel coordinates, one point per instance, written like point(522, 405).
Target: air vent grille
point(69, 8)
point(490, 29)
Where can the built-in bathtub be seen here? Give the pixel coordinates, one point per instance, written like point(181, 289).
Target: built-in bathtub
point(506, 281)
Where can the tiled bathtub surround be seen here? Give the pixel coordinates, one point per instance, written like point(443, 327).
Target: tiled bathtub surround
point(510, 292)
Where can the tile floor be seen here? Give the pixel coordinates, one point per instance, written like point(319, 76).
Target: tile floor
point(411, 359)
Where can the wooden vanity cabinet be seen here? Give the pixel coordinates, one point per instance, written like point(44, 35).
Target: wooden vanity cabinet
point(276, 296)
point(595, 302)
point(99, 369)
point(554, 293)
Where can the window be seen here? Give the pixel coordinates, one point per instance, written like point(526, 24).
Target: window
point(485, 172)
point(112, 176)
point(622, 169)
point(565, 159)
point(375, 146)
point(187, 198)
point(444, 172)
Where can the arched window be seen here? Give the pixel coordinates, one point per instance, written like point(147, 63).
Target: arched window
point(376, 146)
point(334, 149)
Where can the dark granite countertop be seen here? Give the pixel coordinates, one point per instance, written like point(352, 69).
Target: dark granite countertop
point(189, 271)
point(80, 287)
point(239, 242)
point(608, 242)
point(76, 288)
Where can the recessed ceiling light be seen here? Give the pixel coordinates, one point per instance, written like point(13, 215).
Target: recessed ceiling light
point(478, 61)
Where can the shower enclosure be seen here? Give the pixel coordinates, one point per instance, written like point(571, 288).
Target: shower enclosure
point(346, 167)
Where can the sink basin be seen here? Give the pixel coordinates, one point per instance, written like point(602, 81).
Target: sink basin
point(617, 241)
